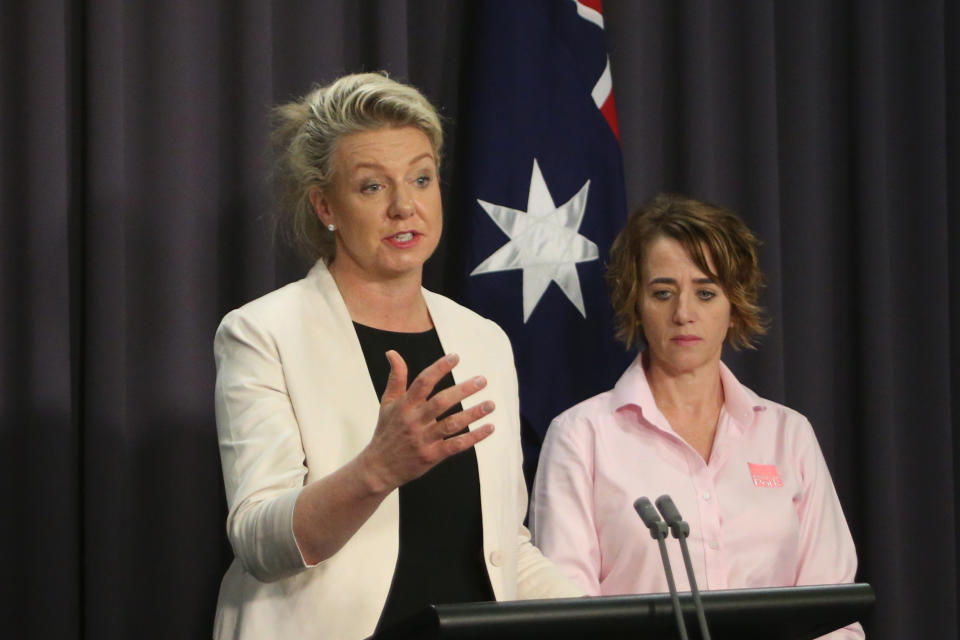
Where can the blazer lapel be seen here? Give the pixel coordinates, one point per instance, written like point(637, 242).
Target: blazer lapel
point(341, 392)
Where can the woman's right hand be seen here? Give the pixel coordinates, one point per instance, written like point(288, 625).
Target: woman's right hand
point(409, 440)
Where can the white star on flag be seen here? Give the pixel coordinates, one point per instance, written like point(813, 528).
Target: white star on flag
point(544, 243)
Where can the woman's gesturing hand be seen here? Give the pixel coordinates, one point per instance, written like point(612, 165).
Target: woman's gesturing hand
point(409, 440)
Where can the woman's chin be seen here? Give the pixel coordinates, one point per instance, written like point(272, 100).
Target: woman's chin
point(405, 264)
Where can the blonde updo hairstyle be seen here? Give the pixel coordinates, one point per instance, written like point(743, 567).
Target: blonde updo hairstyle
point(305, 138)
point(699, 227)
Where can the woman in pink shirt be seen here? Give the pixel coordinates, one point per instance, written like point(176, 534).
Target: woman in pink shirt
point(745, 472)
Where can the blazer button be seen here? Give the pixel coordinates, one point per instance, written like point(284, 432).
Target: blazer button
point(496, 558)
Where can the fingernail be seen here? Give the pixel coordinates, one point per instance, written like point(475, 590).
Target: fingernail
point(452, 358)
point(479, 381)
point(487, 406)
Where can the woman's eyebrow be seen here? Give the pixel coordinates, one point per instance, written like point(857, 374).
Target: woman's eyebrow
point(664, 280)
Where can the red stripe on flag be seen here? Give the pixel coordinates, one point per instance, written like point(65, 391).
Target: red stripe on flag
point(609, 111)
point(596, 5)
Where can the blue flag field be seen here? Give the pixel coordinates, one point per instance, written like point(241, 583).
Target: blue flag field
point(543, 193)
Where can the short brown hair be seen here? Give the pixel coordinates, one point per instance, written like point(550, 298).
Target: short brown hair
point(698, 227)
point(305, 139)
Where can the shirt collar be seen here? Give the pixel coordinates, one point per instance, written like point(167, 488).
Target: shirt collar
point(632, 389)
point(738, 401)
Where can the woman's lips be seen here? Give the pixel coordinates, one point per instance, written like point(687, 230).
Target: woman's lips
point(403, 239)
point(685, 341)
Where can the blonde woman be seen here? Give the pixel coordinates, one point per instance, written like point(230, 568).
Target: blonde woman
point(356, 410)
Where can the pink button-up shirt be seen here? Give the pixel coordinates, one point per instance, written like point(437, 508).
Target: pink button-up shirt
point(763, 512)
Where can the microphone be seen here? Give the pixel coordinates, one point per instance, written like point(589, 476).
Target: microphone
point(658, 531)
point(680, 530)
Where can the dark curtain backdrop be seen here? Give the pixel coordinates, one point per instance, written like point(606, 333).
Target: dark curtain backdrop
point(134, 212)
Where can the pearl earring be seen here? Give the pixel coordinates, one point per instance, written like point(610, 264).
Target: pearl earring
point(331, 227)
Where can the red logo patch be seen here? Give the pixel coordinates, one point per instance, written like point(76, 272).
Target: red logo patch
point(765, 476)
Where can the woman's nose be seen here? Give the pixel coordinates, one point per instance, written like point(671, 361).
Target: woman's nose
point(683, 311)
point(402, 205)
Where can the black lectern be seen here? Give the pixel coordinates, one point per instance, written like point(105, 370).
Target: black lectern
point(783, 613)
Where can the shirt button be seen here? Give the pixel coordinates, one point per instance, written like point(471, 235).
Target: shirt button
point(706, 495)
point(496, 558)
point(714, 545)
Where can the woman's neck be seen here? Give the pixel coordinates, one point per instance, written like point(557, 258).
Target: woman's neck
point(396, 304)
point(689, 390)
point(691, 401)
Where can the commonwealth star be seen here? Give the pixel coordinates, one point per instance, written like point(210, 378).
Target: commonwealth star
point(544, 242)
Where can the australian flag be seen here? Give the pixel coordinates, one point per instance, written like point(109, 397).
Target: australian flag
point(543, 195)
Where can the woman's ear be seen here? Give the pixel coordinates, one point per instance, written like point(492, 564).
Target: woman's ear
point(321, 206)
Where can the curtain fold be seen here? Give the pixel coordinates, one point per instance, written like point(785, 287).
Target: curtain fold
point(135, 210)
point(39, 458)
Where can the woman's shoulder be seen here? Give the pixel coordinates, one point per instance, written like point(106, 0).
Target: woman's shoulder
point(788, 422)
point(774, 408)
point(577, 430)
point(268, 311)
point(584, 416)
point(285, 302)
point(741, 399)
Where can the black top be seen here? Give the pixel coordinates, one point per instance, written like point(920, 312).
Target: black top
point(440, 560)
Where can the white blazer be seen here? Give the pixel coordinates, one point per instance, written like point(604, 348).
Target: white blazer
point(294, 402)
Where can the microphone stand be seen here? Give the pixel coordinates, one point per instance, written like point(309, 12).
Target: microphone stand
point(658, 531)
point(680, 530)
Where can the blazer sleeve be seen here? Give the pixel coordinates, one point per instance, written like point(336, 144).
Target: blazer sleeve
point(260, 448)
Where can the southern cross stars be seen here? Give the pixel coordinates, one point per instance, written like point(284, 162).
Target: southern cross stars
point(544, 243)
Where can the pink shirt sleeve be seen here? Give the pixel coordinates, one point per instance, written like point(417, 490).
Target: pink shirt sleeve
point(562, 515)
point(826, 551)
